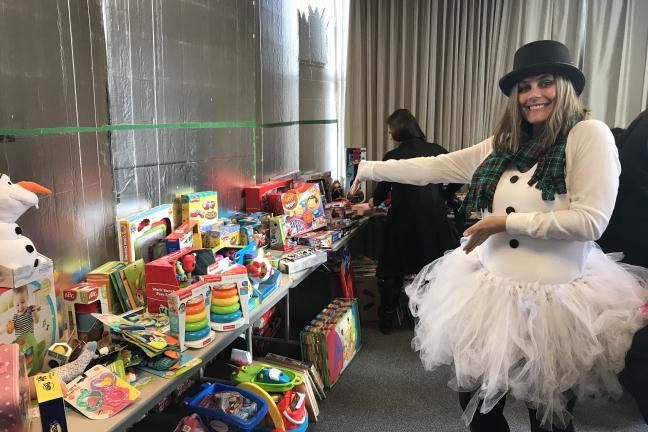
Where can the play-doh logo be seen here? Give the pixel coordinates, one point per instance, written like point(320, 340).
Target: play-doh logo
point(289, 201)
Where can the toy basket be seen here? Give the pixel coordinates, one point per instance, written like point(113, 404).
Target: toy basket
point(217, 420)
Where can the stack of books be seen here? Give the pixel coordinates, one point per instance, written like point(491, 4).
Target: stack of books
point(125, 284)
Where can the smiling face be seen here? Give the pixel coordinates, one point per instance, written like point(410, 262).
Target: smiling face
point(536, 99)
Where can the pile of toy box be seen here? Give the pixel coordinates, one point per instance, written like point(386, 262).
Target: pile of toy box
point(332, 339)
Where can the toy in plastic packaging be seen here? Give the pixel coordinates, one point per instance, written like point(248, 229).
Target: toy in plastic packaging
point(191, 423)
point(99, 393)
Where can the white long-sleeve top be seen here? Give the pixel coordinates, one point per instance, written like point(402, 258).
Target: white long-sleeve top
point(591, 174)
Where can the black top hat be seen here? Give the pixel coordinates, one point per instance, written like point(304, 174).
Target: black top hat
point(545, 56)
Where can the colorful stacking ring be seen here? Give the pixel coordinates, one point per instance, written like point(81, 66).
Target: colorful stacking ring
point(224, 293)
point(197, 316)
point(225, 301)
point(192, 336)
point(224, 319)
point(195, 326)
point(196, 307)
point(224, 310)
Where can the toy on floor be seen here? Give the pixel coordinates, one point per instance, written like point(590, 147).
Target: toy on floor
point(17, 250)
point(293, 410)
point(270, 379)
point(191, 423)
point(227, 408)
point(197, 329)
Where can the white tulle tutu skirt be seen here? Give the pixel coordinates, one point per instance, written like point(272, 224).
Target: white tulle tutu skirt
point(532, 341)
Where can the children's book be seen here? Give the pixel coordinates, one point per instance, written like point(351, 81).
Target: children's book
point(99, 393)
point(186, 362)
point(136, 283)
point(102, 275)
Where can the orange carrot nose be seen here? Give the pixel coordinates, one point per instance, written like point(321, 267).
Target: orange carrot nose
point(35, 187)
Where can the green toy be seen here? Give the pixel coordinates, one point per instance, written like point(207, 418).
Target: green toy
point(259, 375)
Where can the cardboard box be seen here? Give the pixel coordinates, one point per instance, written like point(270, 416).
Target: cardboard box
point(51, 405)
point(201, 207)
point(223, 235)
point(162, 278)
point(280, 233)
point(332, 339)
point(178, 300)
point(34, 327)
point(186, 235)
point(234, 277)
point(140, 233)
point(301, 259)
point(86, 294)
point(15, 276)
point(321, 239)
point(303, 207)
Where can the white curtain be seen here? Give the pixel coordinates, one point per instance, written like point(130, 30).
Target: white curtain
point(442, 59)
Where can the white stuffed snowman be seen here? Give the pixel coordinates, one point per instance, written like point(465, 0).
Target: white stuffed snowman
point(15, 199)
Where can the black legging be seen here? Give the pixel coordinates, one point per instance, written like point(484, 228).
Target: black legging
point(494, 421)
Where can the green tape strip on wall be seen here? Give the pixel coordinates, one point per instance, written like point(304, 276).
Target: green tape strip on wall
point(186, 125)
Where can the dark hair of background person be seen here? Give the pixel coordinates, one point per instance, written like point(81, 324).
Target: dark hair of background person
point(403, 126)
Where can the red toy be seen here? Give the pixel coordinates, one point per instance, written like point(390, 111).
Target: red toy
point(164, 275)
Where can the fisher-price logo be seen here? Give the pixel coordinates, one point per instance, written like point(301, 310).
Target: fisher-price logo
point(289, 201)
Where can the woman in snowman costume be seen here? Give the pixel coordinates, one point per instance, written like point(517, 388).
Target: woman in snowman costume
point(528, 305)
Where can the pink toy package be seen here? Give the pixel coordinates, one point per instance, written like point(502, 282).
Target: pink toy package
point(14, 399)
point(99, 393)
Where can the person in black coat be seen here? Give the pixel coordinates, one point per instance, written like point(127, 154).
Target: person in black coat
point(627, 232)
point(417, 229)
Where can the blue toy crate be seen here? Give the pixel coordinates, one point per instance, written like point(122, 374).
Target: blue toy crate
point(239, 424)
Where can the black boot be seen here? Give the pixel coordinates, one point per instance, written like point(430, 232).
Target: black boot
point(390, 290)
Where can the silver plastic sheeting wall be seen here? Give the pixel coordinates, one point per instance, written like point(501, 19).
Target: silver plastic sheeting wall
point(317, 96)
point(172, 61)
point(53, 74)
point(279, 88)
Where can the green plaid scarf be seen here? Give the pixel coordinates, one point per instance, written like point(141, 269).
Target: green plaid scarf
point(549, 175)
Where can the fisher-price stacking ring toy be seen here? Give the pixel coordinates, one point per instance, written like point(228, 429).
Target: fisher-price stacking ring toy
point(224, 319)
point(225, 301)
point(197, 329)
point(225, 293)
point(224, 310)
point(195, 317)
point(195, 308)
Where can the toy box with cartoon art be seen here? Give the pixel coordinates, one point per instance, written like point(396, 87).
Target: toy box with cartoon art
point(81, 301)
point(189, 315)
point(332, 339)
point(230, 298)
point(141, 233)
point(28, 318)
point(223, 234)
point(173, 272)
point(201, 207)
point(186, 235)
point(280, 233)
point(304, 208)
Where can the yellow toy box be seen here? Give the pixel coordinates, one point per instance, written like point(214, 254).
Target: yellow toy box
point(201, 207)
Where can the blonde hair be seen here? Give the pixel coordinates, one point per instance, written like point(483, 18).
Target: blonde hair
point(512, 129)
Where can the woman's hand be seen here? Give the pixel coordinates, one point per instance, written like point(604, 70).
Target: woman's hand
point(355, 187)
point(478, 233)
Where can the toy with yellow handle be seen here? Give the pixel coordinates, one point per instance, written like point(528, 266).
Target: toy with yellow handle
point(273, 411)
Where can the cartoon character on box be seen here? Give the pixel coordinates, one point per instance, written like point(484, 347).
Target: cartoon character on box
point(303, 207)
